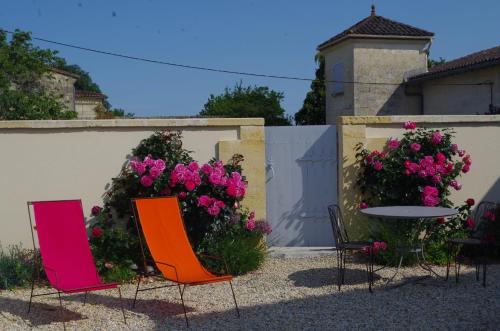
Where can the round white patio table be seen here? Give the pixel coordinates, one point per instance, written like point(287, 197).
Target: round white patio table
point(409, 214)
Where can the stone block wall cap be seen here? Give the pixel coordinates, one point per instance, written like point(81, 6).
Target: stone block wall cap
point(117, 123)
point(365, 120)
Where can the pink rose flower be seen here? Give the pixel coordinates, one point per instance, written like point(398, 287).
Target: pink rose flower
point(97, 232)
point(204, 201)
point(410, 125)
point(363, 205)
point(146, 181)
point(140, 168)
point(160, 164)
point(466, 168)
point(440, 157)
point(250, 225)
point(154, 172)
point(236, 205)
point(470, 202)
point(430, 196)
point(96, 210)
point(189, 185)
point(213, 210)
point(193, 166)
point(422, 173)
point(108, 265)
point(436, 179)
point(454, 148)
point(206, 169)
point(470, 223)
point(182, 195)
point(393, 143)
point(415, 147)
point(377, 165)
point(456, 185)
point(148, 160)
point(436, 138)
point(441, 220)
point(461, 153)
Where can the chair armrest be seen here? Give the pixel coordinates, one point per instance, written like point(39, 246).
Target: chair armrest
point(168, 265)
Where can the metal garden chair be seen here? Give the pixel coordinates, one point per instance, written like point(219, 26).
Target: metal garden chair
point(343, 245)
point(64, 249)
point(476, 242)
point(163, 228)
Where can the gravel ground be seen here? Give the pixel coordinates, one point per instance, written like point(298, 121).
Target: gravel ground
point(285, 294)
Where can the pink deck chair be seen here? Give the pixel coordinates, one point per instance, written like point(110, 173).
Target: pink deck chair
point(64, 248)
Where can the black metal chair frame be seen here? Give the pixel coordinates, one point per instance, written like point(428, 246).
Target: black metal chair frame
point(343, 245)
point(480, 247)
point(177, 283)
point(35, 270)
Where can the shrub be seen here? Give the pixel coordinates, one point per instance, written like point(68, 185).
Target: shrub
point(210, 199)
point(16, 267)
point(419, 169)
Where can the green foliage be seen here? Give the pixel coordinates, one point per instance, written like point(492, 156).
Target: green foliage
point(313, 111)
point(16, 267)
point(432, 63)
point(23, 96)
point(257, 101)
point(119, 112)
point(242, 251)
point(404, 176)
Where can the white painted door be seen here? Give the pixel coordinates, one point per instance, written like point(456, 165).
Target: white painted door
point(301, 181)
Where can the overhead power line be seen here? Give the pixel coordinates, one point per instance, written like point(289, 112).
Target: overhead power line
point(218, 70)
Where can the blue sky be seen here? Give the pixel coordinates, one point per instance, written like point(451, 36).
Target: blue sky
point(274, 37)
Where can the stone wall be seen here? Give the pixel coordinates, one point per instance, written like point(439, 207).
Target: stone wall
point(478, 135)
point(63, 86)
point(50, 160)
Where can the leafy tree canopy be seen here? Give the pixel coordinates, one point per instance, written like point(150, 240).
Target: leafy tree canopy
point(313, 110)
point(432, 63)
point(23, 67)
point(248, 101)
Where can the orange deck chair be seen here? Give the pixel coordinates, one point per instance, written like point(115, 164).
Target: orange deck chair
point(163, 228)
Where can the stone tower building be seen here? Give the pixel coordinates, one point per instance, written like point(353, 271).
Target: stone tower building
point(367, 64)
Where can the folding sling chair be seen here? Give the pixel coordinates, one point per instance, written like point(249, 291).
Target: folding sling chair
point(64, 249)
point(165, 235)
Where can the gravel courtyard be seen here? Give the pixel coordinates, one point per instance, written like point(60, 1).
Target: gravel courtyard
point(286, 294)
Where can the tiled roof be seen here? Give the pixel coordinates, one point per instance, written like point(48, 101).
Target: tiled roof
point(378, 26)
point(64, 72)
point(89, 95)
point(481, 59)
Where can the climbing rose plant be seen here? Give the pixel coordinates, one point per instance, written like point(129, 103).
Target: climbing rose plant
point(210, 198)
point(422, 168)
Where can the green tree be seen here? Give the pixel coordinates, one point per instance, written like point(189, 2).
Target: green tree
point(23, 67)
point(432, 63)
point(256, 101)
point(313, 110)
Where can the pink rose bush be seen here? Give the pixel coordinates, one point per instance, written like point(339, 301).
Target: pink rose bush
point(211, 197)
point(422, 167)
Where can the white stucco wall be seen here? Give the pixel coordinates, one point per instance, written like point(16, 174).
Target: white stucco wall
point(462, 99)
point(44, 160)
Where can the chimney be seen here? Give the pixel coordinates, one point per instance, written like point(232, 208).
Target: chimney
point(373, 10)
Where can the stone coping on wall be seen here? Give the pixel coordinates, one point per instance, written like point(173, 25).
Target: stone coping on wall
point(128, 123)
point(364, 120)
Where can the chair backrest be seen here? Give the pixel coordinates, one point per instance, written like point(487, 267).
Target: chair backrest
point(480, 219)
point(339, 231)
point(163, 228)
point(64, 245)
